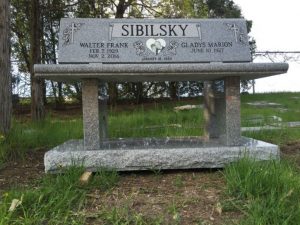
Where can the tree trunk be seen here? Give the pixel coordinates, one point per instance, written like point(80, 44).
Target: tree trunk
point(59, 100)
point(121, 8)
point(173, 89)
point(54, 91)
point(5, 76)
point(60, 93)
point(113, 86)
point(37, 84)
point(112, 93)
point(138, 92)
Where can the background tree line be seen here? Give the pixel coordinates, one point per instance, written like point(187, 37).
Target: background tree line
point(34, 38)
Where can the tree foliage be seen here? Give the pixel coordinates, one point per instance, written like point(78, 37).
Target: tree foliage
point(53, 10)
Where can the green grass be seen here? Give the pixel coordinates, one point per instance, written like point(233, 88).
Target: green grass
point(126, 216)
point(55, 199)
point(266, 192)
point(288, 111)
point(279, 137)
point(159, 122)
point(52, 202)
point(29, 136)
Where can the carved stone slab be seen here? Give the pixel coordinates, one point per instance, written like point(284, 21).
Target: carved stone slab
point(125, 155)
point(153, 41)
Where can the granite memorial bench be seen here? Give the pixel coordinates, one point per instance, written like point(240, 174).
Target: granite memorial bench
point(95, 51)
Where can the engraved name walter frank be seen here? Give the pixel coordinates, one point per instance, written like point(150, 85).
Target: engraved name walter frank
point(187, 30)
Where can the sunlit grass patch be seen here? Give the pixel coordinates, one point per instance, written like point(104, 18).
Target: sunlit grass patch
point(266, 192)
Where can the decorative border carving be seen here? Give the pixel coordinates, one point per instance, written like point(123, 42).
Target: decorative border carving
point(239, 34)
point(140, 49)
point(171, 48)
point(68, 33)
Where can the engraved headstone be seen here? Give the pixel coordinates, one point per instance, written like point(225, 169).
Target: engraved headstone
point(153, 41)
point(96, 51)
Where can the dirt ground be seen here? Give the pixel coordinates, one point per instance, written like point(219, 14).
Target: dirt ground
point(23, 172)
point(177, 197)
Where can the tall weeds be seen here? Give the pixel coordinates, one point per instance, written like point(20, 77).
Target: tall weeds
point(270, 191)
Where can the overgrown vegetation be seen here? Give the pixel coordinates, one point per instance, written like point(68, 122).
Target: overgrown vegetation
point(155, 120)
point(55, 199)
point(263, 192)
point(26, 136)
point(161, 121)
point(287, 108)
point(266, 192)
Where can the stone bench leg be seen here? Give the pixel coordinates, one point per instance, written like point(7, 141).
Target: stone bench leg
point(222, 111)
point(212, 126)
point(90, 110)
point(231, 131)
point(103, 111)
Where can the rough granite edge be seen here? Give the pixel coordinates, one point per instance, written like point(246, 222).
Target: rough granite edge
point(69, 153)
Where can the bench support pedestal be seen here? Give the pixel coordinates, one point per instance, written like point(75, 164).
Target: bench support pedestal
point(222, 111)
point(223, 142)
point(90, 110)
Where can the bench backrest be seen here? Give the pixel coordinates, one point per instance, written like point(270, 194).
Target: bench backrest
point(153, 41)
